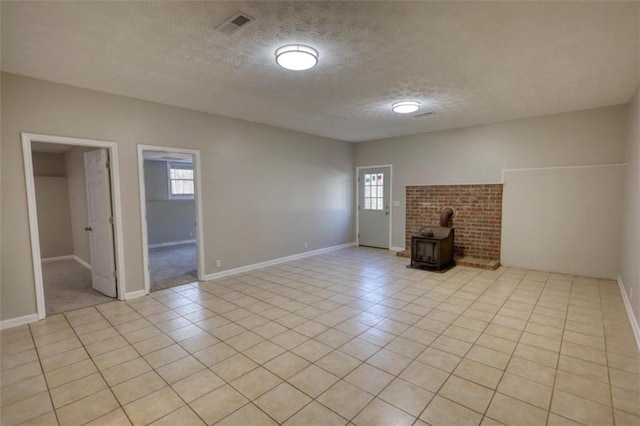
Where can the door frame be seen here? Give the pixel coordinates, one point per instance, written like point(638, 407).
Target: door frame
point(116, 206)
point(143, 209)
point(390, 166)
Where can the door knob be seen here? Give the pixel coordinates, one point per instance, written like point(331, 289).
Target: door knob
point(88, 228)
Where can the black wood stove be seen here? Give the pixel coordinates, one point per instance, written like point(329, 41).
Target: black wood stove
point(433, 250)
point(432, 247)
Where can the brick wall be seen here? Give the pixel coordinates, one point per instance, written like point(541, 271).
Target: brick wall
point(477, 221)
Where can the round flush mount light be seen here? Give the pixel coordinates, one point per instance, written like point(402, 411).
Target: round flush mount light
point(297, 57)
point(405, 107)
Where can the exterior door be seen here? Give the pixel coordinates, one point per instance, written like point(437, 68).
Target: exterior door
point(373, 207)
point(100, 226)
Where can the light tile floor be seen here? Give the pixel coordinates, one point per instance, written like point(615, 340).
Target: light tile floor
point(351, 336)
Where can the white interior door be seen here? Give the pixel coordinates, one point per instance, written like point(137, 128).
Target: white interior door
point(373, 207)
point(100, 227)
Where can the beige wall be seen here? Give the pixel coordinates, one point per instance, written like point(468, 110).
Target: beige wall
point(630, 259)
point(48, 164)
point(265, 190)
point(54, 218)
point(563, 220)
point(168, 220)
point(52, 203)
point(630, 247)
point(479, 154)
point(74, 161)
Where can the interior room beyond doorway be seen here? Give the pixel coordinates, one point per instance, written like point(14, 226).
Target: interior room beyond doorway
point(170, 203)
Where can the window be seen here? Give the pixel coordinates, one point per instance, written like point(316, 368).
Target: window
point(180, 180)
point(373, 191)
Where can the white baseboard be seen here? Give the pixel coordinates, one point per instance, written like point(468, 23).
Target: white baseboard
point(82, 262)
point(171, 243)
point(16, 322)
point(69, 257)
point(134, 294)
point(57, 258)
point(397, 248)
point(630, 314)
point(272, 262)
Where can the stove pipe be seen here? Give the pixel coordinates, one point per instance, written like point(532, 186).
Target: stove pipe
point(445, 216)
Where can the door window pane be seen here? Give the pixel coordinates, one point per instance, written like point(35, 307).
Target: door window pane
point(373, 191)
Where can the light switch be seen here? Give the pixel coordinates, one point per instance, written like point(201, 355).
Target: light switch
point(396, 203)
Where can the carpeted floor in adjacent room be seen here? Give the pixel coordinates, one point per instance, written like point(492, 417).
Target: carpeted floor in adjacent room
point(172, 266)
point(67, 286)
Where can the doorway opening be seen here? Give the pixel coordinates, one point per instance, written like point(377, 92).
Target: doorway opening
point(74, 219)
point(373, 221)
point(170, 205)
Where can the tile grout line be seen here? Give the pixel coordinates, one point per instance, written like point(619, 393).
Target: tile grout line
point(111, 326)
point(152, 369)
point(463, 357)
point(606, 358)
point(553, 389)
point(342, 298)
point(334, 349)
point(46, 381)
point(494, 391)
point(170, 308)
point(610, 385)
point(98, 369)
point(310, 319)
point(428, 346)
point(415, 359)
point(555, 373)
point(312, 399)
point(488, 323)
point(238, 353)
point(205, 366)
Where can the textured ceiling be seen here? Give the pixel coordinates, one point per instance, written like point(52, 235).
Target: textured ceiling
point(471, 62)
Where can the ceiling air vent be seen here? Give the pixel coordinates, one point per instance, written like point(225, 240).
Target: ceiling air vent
point(424, 114)
point(235, 23)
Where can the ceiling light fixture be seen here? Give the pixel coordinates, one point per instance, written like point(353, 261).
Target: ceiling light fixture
point(297, 57)
point(405, 107)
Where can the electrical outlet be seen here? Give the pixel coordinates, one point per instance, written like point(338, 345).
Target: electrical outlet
point(218, 263)
point(306, 244)
point(190, 234)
